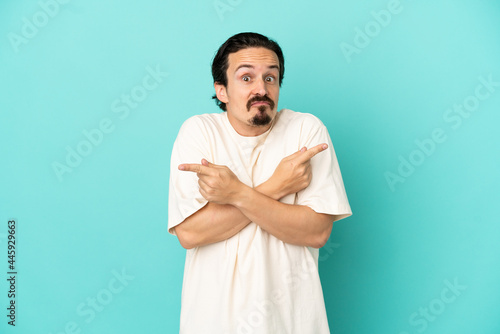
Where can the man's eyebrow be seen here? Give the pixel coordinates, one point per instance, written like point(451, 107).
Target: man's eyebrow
point(251, 66)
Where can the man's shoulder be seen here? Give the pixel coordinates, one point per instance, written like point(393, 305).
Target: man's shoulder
point(202, 121)
point(289, 117)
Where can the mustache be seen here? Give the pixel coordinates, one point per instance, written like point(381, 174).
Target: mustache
point(264, 98)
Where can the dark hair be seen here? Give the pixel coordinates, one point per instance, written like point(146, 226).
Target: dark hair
point(236, 43)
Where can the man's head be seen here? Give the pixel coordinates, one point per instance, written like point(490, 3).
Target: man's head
point(248, 70)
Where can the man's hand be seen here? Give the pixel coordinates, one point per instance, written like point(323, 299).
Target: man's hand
point(293, 172)
point(218, 184)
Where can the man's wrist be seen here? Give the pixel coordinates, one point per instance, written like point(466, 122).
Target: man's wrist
point(267, 188)
point(244, 195)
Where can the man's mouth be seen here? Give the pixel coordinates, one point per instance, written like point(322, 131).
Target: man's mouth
point(259, 103)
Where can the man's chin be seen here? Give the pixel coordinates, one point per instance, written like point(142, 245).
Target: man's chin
point(262, 118)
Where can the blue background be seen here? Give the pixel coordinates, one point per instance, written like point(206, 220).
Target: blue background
point(382, 268)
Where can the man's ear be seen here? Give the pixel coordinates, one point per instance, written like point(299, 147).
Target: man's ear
point(221, 92)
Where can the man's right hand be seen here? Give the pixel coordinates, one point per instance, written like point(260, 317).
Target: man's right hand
point(293, 173)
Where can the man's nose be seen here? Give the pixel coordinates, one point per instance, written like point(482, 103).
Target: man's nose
point(259, 88)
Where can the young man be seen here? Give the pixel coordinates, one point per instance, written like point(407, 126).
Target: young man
point(253, 195)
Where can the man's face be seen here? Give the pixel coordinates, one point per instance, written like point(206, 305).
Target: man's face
point(252, 91)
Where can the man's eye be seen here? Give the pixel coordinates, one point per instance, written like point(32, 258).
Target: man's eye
point(246, 78)
point(270, 79)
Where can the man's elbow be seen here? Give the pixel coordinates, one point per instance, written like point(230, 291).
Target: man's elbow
point(320, 240)
point(317, 239)
point(185, 238)
point(322, 237)
point(186, 245)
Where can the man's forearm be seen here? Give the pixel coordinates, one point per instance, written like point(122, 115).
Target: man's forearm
point(294, 224)
point(216, 222)
point(213, 223)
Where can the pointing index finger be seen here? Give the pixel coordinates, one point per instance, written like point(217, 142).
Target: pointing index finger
point(315, 150)
point(196, 168)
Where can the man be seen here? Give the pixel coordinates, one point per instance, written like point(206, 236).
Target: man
point(253, 195)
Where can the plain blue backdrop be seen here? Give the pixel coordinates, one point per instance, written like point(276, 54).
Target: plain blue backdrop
point(92, 95)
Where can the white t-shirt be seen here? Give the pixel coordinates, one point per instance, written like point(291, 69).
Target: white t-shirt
point(253, 282)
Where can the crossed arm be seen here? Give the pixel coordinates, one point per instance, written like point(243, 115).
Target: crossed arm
point(232, 205)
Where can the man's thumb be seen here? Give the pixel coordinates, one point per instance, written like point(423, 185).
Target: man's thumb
point(205, 162)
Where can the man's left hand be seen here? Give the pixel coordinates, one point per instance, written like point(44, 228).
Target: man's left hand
point(218, 184)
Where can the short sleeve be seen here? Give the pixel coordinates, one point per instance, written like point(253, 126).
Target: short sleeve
point(184, 197)
point(326, 192)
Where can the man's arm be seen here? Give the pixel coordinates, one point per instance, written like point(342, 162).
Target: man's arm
point(293, 224)
point(220, 219)
point(212, 223)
